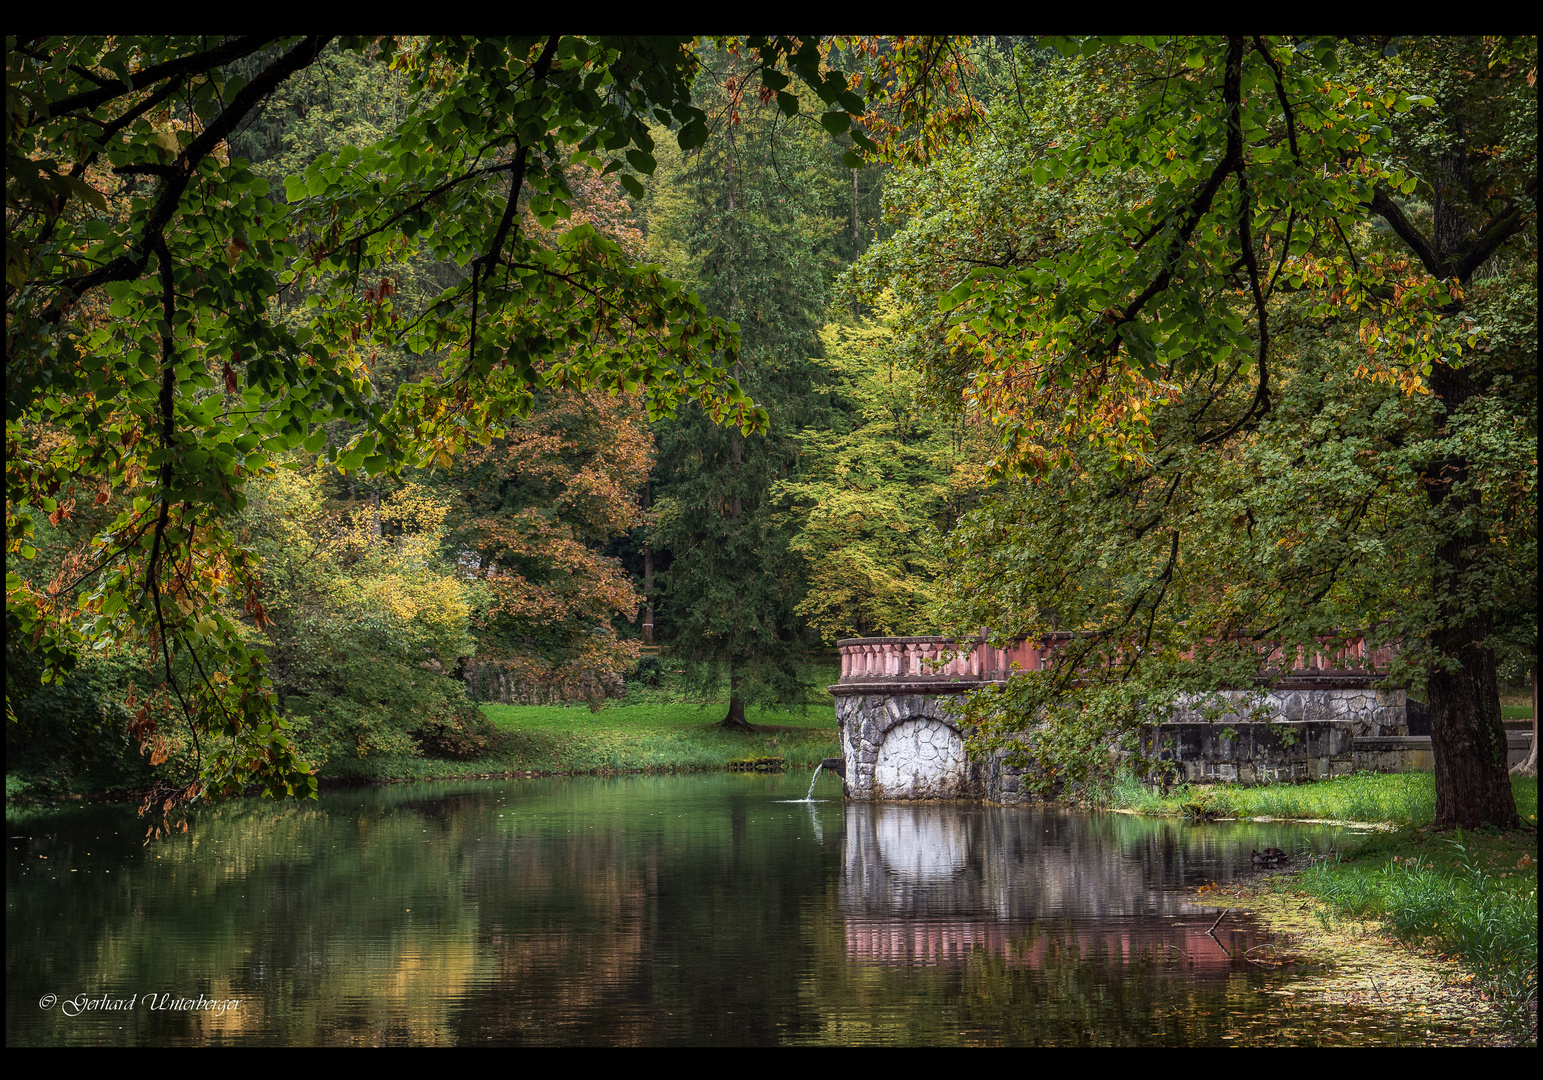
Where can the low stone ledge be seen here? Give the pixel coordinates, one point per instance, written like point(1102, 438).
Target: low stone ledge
point(1514, 740)
point(889, 685)
point(1413, 753)
point(1393, 742)
point(901, 684)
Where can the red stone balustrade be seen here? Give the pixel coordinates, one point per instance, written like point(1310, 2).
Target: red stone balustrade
point(924, 657)
point(891, 658)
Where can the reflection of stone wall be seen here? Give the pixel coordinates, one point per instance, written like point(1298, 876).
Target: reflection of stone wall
point(978, 862)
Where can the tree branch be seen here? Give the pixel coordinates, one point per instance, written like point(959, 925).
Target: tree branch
point(1383, 205)
point(126, 267)
point(194, 64)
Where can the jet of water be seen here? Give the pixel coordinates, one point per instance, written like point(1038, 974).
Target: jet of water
point(810, 797)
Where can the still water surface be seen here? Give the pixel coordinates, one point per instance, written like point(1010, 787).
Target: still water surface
point(642, 911)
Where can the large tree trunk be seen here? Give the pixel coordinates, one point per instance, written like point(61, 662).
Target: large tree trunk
point(1468, 740)
point(1473, 784)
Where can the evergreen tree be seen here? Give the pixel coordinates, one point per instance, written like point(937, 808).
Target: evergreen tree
point(753, 222)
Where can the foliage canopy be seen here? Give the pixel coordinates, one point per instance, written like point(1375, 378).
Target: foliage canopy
point(1222, 300)
point(174, 325)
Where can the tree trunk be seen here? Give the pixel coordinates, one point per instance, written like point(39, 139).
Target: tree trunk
point(648, 574)
point(733, 235)
point(648, 592)
point(1468, 740)
point(1473, 784)
point(856, 242)
point(735, 720)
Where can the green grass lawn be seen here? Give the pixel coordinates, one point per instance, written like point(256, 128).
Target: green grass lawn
point(661, 736)
point(652, 736)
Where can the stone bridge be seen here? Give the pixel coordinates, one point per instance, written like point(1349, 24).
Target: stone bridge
point(897, 708)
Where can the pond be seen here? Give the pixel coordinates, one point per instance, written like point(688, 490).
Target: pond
point(642, 910)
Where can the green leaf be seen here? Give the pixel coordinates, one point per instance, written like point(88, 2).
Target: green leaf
point(692, 135)
point(956, 296)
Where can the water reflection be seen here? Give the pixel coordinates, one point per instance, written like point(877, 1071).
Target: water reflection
point(930, 884)
point(638, 911)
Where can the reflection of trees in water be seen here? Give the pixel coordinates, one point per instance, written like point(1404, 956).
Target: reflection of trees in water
point(565, 927)
point(685, 928)
point(641, 911)
point(299, 913)
point(1050, 985)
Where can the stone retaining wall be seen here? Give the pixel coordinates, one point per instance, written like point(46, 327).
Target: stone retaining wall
point(908, 746)
point(901, 738)
point(1369, 713)
point(1412, 753)
point(1244, 753)
point(903, 746)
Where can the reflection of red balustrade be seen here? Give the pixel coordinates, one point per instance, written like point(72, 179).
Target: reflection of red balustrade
point(954, 942)
point(944, 658)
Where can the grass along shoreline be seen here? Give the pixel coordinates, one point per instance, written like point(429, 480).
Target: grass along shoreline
point(639, 737)
point(1467, 897)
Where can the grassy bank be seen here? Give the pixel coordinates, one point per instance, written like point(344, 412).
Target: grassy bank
point(1399, 798)
point(653, 728)
point(649, 736)
point(1473, 896)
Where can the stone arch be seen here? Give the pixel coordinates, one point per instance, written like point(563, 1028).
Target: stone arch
point(921, 757)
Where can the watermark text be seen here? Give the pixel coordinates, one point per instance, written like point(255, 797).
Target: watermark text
point(153, 1002)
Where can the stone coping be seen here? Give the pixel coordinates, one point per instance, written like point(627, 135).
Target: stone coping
point(1317, 679)
point(933, 639)
point(914, 684)
point(1514, 740)
point(958, 684)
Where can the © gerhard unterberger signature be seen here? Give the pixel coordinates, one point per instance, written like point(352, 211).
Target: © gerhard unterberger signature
point(153, 1001)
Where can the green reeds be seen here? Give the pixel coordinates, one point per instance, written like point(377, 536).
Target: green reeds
point(1464, 909)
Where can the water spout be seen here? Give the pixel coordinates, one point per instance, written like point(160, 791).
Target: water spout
point(810, 797)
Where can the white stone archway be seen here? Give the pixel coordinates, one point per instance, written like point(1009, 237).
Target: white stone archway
point(920, 758)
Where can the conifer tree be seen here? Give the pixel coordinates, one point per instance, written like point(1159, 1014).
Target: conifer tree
point(753, 223)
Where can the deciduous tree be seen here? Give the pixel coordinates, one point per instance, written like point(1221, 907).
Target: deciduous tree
point(1244, 394)
point(146, 353)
